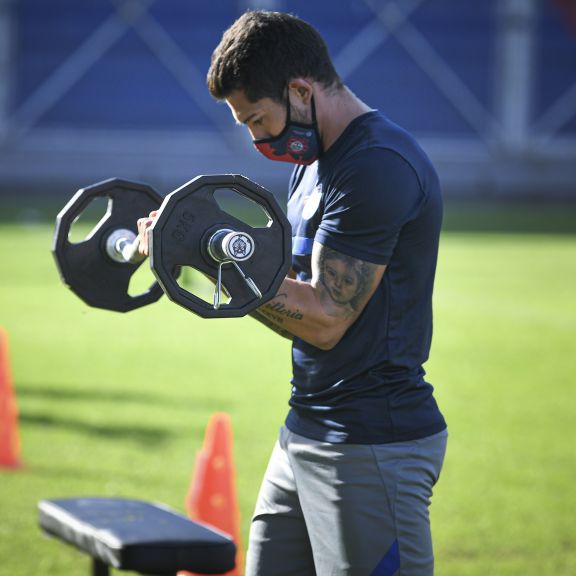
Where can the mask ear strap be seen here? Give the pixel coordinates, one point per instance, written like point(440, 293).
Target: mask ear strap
point(287, 105)
point(313, 109)
point(316, 129)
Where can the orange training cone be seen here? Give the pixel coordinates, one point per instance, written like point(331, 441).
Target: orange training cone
point(212, 495)
point(9, 440)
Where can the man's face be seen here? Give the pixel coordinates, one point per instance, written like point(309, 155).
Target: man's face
point(340, 280)
point(264, 118)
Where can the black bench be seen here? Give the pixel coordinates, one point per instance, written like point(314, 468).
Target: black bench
point(137, 536)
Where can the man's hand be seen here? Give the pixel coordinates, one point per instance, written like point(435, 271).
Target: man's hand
point(143, 227)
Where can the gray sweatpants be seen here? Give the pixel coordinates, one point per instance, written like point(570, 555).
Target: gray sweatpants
point(345, 509)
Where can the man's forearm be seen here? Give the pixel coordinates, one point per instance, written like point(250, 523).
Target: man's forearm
point(262, 317)
point(321, 311)
point(277, 313)
point(296, 311)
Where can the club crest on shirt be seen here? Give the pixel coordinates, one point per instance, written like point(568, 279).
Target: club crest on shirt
point(312, 202)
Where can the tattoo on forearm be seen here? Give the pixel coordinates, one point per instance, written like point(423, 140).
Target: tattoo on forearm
point(345, 280)
point(280, 309)
point(274, 313)
point(269, 323)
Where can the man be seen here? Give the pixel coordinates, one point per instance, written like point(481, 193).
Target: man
point(349, 482)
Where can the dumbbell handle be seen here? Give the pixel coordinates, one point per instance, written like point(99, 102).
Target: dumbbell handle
point(225, 245)
point(122, 246)
point(129, 251)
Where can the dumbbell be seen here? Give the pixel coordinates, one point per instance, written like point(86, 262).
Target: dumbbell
point(191, 229)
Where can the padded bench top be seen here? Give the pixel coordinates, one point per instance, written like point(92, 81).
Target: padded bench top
point(136, 535)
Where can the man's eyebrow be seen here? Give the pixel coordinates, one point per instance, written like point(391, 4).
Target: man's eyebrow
point(247, 119)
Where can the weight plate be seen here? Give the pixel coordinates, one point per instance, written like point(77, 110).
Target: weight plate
point(190, 216)
point(85, 266)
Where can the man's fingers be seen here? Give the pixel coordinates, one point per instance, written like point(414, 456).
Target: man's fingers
point(143, 226)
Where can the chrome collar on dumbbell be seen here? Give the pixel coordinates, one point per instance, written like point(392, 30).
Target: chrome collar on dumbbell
point(122, 246)
point(228, 247)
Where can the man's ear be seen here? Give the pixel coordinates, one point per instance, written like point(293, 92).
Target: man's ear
point(301, 90)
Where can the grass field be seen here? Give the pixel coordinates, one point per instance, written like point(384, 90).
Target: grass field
point(114, 404)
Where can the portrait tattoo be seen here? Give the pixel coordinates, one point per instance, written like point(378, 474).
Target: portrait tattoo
point(346, 280)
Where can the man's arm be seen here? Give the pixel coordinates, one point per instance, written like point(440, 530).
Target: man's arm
point(275, 327)
point(321, 311)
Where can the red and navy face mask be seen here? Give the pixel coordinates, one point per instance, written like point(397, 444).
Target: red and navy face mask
point(297, 143)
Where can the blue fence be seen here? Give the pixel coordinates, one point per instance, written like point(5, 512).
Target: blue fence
point(141, 65)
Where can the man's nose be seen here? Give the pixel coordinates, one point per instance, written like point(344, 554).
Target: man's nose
point(260, 133)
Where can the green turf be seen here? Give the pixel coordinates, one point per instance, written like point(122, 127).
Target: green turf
point(114, 404)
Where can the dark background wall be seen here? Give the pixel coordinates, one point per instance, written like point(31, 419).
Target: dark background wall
point(103, 88)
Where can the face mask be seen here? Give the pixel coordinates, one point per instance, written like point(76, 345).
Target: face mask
point(298, 143)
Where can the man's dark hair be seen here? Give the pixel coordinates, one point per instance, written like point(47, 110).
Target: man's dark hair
point(262, 51)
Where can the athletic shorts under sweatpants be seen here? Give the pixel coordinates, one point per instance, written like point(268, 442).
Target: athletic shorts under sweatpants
point(345, 509)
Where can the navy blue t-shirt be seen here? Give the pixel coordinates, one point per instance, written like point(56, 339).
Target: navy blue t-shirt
point(375, 196)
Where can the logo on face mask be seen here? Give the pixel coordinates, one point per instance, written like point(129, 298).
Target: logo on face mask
point(297, 143)
point(298, 146)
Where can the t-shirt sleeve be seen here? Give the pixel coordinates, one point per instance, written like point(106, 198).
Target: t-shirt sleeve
point(372, 198)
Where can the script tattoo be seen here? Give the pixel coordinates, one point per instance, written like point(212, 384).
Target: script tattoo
point(262, 318)
point(345, 281)
point(273, 314)
point(280, 309)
